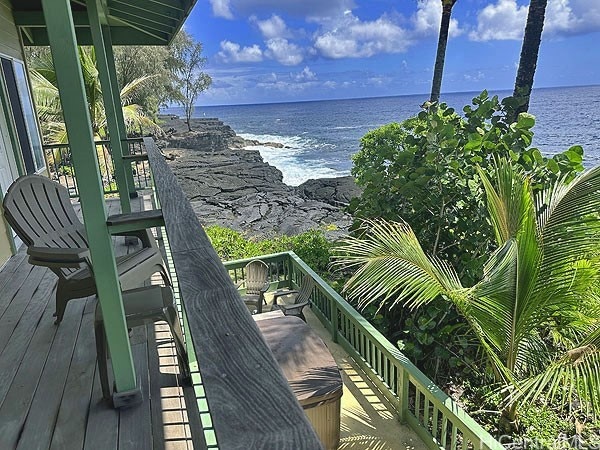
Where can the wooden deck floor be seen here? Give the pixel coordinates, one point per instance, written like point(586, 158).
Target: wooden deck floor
point(50, 394)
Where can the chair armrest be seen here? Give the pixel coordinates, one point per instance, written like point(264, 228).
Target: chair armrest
point(266, 287)
point(280, 293)
point(239, 283)
point(136, 224)
point(57, 257)
point(288, 308)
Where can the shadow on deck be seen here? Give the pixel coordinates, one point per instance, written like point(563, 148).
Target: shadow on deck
point(50, 395)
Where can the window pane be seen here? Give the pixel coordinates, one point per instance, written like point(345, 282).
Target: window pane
point(29, 115)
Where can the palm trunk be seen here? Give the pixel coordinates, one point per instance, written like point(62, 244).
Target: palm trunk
point(440, 56)
point(529, 56)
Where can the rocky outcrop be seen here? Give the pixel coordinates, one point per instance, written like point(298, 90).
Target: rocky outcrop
point(334, 191)
point(233, 187)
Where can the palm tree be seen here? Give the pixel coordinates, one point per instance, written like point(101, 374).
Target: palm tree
point(529, 56)
point(535, 312)
point(47, 100)
point(440, 56)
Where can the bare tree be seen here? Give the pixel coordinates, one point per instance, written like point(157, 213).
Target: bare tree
point(440, 56)
point(529, 56)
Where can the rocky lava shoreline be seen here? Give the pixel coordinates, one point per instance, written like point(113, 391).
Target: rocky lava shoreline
point(233, 187)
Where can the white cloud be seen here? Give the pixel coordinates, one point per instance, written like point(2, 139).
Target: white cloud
point(474, 77)
point(221, 8)
point(352, 38)
point(305, 75)
point(427, 19)
point(500, 21)
point(505, 19)
point(304, 8)
point(284, 52)
point(232, 52)
point(271, 28)
point(567, 17)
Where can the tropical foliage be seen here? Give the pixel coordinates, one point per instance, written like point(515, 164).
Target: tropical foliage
point(47, 100)
point(311, 246)
point(535, 311)
point(425, 171)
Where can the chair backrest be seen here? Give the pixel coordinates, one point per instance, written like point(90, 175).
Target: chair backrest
point(41, 213)
point(306, 289)
point(256, 276)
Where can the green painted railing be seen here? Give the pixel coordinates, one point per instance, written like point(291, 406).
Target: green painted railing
point(60, 166)
point(433, 415)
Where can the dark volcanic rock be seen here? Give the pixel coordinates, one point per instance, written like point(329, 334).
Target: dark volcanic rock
point(335, 191)
point(233, 187)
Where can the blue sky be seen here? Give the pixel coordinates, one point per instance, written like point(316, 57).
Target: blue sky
point(262, 51)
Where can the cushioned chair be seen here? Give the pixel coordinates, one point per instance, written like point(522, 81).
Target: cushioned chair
point(256, 283)
point(142, 306)
point(301, 298)
point(41, 213)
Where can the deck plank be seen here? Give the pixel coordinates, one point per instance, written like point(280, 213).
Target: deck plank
point(23, 339)
point(12, 266)
point(154, 390)
point(135, 425)
point(102, 430)
point(21, 303)
point(70, 426)
point(18, 400)
point(45, 406)
point(12, 285)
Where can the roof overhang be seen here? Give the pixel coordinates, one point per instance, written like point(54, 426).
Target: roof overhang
point(131, 22)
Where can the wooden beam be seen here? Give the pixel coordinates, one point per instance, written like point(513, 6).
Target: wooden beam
point(36, 18)
point(149, 8)
point(61, 33)
point(173, 4)
point(112, 102)
point(139, 20)
point(120, 36)
point(251, 404)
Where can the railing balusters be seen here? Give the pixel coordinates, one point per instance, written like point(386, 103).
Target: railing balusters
point(58, 157)
point(388, 368)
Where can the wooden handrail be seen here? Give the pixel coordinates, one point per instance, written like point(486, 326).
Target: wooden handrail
point(250, 402)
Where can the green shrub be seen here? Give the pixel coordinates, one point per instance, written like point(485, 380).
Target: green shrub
point(311, 246)
point(424, 171)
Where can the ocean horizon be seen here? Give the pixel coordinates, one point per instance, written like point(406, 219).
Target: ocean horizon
point(320, 136)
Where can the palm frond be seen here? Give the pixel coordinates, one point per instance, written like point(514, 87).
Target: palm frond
point(392, 265)
point(129, 90)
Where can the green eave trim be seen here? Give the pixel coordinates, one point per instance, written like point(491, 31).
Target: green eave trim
point(121, 35)
point(131, 22)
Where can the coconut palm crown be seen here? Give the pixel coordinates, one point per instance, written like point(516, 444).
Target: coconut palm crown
point(46, 97)
point(535, 312)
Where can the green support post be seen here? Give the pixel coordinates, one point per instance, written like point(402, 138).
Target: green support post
point(63, 44)
point(111, 104)
point(112, 73)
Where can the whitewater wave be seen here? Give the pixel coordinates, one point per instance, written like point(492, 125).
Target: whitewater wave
point(297, 159)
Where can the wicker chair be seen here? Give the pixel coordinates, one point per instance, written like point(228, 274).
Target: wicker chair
point(256, 283)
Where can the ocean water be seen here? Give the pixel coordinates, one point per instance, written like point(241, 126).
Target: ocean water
point(320, 136)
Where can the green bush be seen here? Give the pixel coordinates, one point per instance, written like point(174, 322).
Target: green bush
point(311, 246)
point(424, 171)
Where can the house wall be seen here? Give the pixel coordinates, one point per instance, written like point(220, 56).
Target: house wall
point(10, 46)
point(9, 37)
